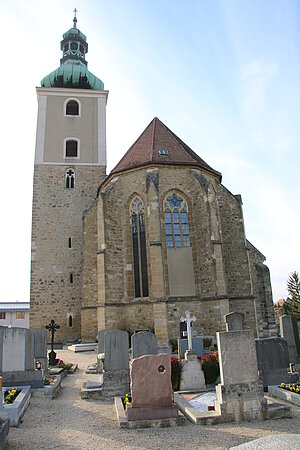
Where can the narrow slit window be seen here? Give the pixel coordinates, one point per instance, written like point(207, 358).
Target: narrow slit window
point(70, 321)
point(71, 149)
point(139, 250)
point(176, 221)
point(70, 242)
point(71, 278)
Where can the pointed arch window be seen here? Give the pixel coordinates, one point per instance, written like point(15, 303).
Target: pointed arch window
point(70, 179)
point(140, 271)
point(176, 221)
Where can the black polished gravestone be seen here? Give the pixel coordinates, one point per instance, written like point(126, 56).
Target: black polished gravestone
point(52, 355)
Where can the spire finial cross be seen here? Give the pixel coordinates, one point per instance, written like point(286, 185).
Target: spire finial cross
point(75, 18)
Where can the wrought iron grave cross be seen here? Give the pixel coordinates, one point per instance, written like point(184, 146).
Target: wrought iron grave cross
point(52, 327)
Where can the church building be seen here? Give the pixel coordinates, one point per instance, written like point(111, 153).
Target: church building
point(135, 249)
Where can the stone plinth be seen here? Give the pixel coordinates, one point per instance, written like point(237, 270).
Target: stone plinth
point(192, 376)
point(239, 402)
point(115, 383)
point(151, 388)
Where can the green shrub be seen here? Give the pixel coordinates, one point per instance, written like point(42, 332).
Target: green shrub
point(174, 345)
point(207, 342)
point(175, 372)
point(210, 366)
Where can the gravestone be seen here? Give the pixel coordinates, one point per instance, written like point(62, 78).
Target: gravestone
point(143, 343)
point(116, 346)
point(192, 376)
point(273, 361)
point(40, 347)
point(197, 345)
point(239, 395)
point(234, 321)
point(151, 389)
point(101, 334)
point(290, 332)
point(17, 358)
point(116, 364)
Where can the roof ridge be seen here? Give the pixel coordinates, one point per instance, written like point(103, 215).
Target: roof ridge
point(153, 137)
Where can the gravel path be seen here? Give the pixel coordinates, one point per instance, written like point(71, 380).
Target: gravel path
point(68, 422)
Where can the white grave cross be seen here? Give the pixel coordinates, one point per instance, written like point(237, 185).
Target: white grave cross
point(188, 319)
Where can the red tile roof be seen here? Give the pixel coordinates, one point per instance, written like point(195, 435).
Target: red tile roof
point(159, 145)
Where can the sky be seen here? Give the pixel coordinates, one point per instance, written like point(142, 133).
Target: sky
point(224, 75)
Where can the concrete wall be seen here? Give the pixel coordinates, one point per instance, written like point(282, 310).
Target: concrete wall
point(11, 319)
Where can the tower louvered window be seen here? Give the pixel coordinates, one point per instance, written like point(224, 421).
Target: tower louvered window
point(176, 221)
point(72, 108)
point(71, 149)
point(140, 271)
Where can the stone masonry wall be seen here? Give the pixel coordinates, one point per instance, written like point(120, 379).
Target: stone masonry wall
point(57, 215)
point(221, 260)
point(236, 259)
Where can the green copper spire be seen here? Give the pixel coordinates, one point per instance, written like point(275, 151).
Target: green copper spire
point(73, 72)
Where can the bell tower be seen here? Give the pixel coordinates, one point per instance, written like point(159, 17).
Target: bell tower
point(70, 163)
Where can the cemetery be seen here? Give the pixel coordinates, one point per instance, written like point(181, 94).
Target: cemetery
point(240, 379)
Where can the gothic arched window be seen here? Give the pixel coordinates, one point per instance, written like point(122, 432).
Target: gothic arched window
point(70, 179)
point(140, 271)
point(72, 108)
point(176, 221)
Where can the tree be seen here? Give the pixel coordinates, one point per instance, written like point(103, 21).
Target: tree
point(292, 304)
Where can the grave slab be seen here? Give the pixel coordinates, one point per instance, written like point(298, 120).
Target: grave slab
point(273, 361)
point(197, 345)
point(143, 343)
point(234, 321)
point(116, 346)
point(290, 332)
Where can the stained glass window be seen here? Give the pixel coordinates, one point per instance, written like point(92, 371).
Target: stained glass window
point(139, 248)
point(176, 221)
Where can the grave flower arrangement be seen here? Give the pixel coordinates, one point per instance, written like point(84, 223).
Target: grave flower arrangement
point(292, 387)
point(48, 380)
point(175, 372)
point(11, 395)
point(210, 366)
point(62, 365)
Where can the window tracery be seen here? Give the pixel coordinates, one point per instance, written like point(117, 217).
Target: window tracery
point(176, 221)
point(140, 272)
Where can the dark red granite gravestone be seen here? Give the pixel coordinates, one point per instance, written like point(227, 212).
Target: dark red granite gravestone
point(151, 389)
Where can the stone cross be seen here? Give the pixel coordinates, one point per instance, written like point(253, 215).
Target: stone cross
point(188, 319)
